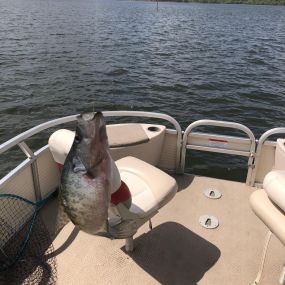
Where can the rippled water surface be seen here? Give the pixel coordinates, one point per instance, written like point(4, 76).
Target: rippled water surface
point(191, 61)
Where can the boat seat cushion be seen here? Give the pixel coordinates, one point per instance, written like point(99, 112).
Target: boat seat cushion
point(150, 187)
point(271, 215)
point(60, 143)
point(274, 186)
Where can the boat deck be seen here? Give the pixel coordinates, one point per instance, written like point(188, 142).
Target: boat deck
point(178, 250)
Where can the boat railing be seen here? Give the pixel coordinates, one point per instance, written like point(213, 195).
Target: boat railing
point(189, 140)
point(37, 129)
point(220, 143)
point(260, 145)
point(32, 157)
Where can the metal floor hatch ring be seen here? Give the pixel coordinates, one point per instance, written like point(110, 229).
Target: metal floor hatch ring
point(209, 222)
point(212, 193)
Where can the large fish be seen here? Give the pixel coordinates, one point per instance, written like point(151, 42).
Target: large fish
point(87, 177)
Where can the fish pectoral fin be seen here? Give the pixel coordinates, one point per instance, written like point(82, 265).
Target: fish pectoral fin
point(62, 218)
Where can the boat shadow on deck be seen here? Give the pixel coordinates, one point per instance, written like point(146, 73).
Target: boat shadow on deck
point(183, 181)
point(173, 254)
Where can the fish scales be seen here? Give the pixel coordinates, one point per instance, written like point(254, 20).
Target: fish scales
point(86, 179)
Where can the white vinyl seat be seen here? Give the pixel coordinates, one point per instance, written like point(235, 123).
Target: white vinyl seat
point(60, 143)
point(150, 187)
point(269, 204)
point(150, 190)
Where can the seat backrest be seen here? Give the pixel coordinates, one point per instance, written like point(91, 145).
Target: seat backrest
point(60, 143)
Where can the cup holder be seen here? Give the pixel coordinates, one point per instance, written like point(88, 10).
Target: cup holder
point(153, 129)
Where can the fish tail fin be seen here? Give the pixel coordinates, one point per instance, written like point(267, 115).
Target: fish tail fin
point(104, 231)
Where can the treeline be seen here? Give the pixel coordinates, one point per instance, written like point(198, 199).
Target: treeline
point(255, 2)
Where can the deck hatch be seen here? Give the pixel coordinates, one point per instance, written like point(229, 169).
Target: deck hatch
point(209, 222)
point(212, 193)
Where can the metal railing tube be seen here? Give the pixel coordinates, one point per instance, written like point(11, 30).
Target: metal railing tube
point(222, 124)
point(260, 144)
point(23, 136)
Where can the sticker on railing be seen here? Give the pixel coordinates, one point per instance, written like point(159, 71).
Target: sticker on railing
point(220, 143)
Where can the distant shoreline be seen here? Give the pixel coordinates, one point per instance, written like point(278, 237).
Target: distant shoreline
point(251, 2)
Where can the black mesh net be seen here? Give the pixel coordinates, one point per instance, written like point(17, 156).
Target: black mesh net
point(25, 245)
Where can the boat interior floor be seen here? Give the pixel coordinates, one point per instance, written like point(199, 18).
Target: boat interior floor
point(178, 250)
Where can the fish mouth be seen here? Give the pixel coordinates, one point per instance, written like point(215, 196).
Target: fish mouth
point(87, 116)
point(89, 124)
point(90, 116)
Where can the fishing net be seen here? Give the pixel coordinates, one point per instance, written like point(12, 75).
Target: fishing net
point(25, 244)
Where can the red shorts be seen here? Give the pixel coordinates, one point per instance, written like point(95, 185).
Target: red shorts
point(120, 196)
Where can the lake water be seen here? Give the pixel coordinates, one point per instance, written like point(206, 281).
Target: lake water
point(191, 61)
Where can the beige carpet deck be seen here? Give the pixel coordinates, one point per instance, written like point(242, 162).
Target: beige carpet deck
point(178, 250)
